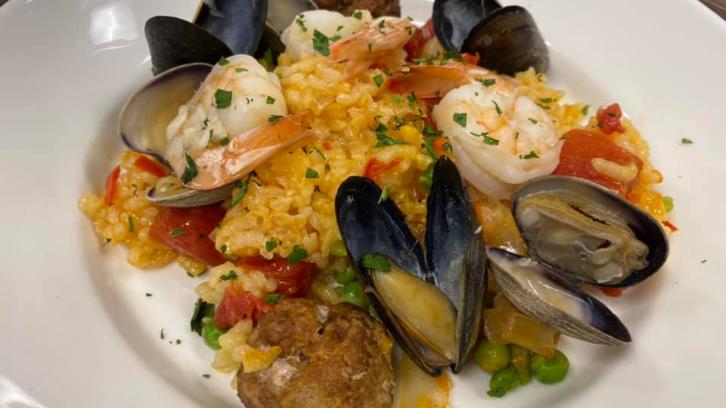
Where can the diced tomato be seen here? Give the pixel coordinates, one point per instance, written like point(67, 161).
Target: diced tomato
point(238, 305)
point(186, 230)
point(612, 292)
point(608, 119)
point(472, 59)
point(439, 145)
point(327, 145)
point(150, 166)
point(415, 45)
point(670, 226)
point(292, 279)
point(375, 168)
point(112, 185)
point(581, 146)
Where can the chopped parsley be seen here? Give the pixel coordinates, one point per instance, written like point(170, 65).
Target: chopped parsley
point(321, 43)
point(223, 98)
point(534, 121)
point(376, 261)
point(270, 244)
point(230, 276)
point(453, 55)
point(299, 21)
point(686, 140)
point(268, 60)
point(178, 341)
point(149, 294)
point(460, 118)
point(358, 15)
point(206, 376)
point(162, 335)
point(531, 155)
point(131, 224)
point(384, 195)
point(176, 232)
point(585, 109)
point(545, 100)
point(487, 82)
point(297, 254)
point(496, 106)
point(668, 203)
point(411, 100)
point(273, 298)
point(190, 171)
point(429, 131)
point(223, 248)
point(274, 118)
point(224, 141)
point(240, 70)
point(427, 177)
point(428, 145)
point(378, 79)
point(270, 100)
point(486, 138)
point(223, 61)
point(241, 192)
point(384, 139)
point(311, 173)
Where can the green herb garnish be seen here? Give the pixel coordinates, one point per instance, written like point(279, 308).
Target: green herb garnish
point(487, 139)
point(241, 192)
point(487, 82)
point(460, 118)
point(585, 109)
point(299, 21)
point(384, 195)
point(274, 118)
point(176, 232)
point(223, 248)
point(686, 140)
point(270, 100)
point(411, 100)
point(378, 79)
point(534, 121)
point(668, 203)
point(311, 173)
point(496, 106)
point(376, 261)
point(297, 254)
point(384, 139)
point(321, 43)
point(240, 70)
point(358, 15)
point(131, 224)
point(231, 275)
point(531, 155)
point(190, 171)
point(224, 141)
point(273, 298)
point(223, 98)
point(223, 61)
point(270, 244)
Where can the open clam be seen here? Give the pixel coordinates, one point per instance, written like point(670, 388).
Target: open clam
point(430, 303)
point(577, 232)
point(506, 38)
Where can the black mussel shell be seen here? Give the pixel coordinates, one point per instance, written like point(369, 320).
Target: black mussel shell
point(173, 42)
point(454, 19)
point(238, 23)
point(508, 41)
point(455, 253)
point(368, 226)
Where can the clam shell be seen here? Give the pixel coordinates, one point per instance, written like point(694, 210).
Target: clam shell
point(553, 301)
point(170, 192)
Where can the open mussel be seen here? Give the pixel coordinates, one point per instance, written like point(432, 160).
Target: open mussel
point(506, 38)
point(577, 232)
point(431, 304)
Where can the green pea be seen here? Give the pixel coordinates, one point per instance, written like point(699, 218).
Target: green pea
point(352, 292)
point(338, 248)
point(550, 370)
point(491, 357)
point(520, 363)
point(502, 382)
point(211, 333)
point(345, 276)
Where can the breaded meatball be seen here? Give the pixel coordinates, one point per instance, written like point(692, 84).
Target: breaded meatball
point(332, 356)
point(376, 7)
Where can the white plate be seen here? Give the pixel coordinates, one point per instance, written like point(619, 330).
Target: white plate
point(77, 330)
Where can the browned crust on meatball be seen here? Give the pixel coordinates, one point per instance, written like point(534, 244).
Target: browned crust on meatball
point(377, 8)
point(333, 356)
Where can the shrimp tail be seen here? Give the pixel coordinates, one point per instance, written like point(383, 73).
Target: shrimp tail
point(225, 164)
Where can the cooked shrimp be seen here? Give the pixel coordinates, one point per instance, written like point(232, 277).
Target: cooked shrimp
point(300, 38)
point(500, 139)
point(228, 114)
point(381, 43)
point(224, 164)
point(430, 81)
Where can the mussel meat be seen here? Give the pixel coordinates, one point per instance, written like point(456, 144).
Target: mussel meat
point(506, 38)
point(431, 304)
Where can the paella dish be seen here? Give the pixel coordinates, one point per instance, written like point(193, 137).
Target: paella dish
point(366, 205)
